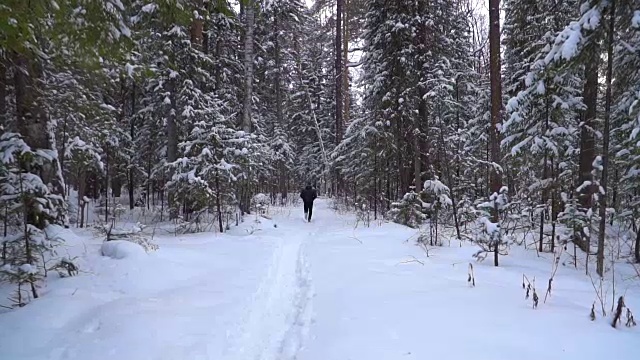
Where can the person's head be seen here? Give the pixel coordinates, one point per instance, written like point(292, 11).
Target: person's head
point(308, 187)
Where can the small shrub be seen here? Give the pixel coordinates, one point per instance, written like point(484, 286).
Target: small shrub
point(409, 211)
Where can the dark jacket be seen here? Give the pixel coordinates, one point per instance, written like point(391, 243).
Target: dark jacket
point(308, 194)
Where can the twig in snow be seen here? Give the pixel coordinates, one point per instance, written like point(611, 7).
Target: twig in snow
point(411, 261)
point(355, 238)
point(599, 295)
point(556, 264)
point(471, 279)
point(423, 246)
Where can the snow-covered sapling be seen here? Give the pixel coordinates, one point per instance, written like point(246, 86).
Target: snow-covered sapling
point(409, 211)
point(437, 197)
point(489, 234)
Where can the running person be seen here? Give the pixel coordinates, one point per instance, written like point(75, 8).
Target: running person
point(308, 195)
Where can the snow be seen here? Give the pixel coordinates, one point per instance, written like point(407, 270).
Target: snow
point(541, 88)
point(122, 249)
point(28, 268)
point(310, 291)
point(635, 21)
point(150, 8)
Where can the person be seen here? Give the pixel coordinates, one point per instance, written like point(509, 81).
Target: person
point(308, 195)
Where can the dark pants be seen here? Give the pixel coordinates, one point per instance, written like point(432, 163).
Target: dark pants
point(308, 209)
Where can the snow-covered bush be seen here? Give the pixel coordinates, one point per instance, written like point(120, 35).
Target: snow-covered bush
point(363, 214)
point(437, 193)
point(574, 219)
point(122, 249)
point(409, 211)
point(260, 203)
point(134, 235)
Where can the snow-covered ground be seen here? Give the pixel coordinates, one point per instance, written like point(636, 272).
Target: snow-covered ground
point(314, 291)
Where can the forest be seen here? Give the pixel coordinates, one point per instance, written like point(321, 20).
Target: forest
point(486, 118)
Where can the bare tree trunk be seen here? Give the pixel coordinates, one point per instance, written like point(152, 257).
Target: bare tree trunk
point(106, 187)
point(248, 64)
point(587, 142)
point(416, 160)
point(375, 185)
point(132, 133)
point(496, 105)
point(218, 202)
point(605, 142)
point(82, 184)
point(282, 181)
point(338, 79)
point(554, 205)
point(345, 60)
point(637, 248)
point(197, 24)
point(172, 145)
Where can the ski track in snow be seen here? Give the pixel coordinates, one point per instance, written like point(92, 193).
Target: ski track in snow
point(280, 312)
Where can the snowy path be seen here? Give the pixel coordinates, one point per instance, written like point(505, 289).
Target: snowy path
point(310, 291)
point(279, 313)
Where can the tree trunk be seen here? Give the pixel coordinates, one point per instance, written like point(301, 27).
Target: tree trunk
point(605, 142)
point(218, 202)
point(637, 249)
point(172, 144)
point(416, 161)
point(338, 79)
point(554, 204)
point(82, 185)
point(132, 131)
point(375, 185)
point(345, 68)
point(496, 105)
point(106, 187)
point(32, 123)
point(282, 181)
point(197, 25)
point(248, 65)
point(587, 142)
point(338, 70)
point(545, 175)
point(4, 117)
